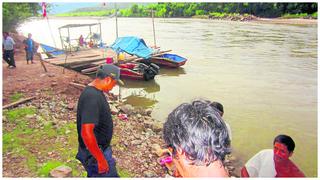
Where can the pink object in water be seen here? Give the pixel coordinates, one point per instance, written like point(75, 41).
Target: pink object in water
point(109, 60)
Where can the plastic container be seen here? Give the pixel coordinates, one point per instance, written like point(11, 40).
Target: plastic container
point(121, 57)
point(109, 60)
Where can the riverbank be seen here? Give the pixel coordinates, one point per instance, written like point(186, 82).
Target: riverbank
point(41, 134)
point(249, 18)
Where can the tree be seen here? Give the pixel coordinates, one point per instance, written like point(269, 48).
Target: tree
point(15, 13)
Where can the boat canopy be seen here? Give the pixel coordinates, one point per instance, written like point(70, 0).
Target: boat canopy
point(132, 45)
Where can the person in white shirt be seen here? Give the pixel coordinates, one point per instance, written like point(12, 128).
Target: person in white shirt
point(273, 162)
point(8, 50)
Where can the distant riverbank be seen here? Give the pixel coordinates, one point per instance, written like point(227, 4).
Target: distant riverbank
point(300, 21)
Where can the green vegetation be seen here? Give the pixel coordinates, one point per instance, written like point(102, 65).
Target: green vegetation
point(301, 15)
point(16, 97)
point(47, 167)
point(23, 138)
point(124, 173)
point(92, 13)
point(14, 13)
point(17, 114)
point(214, 9)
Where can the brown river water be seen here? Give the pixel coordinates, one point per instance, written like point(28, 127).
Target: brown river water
point(264, 74)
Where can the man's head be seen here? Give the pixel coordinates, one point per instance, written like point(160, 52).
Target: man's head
point(283, 146)
point(108, 75)
point(5, 34)
point(197, 133)
point(219, 106)
point(29, 35)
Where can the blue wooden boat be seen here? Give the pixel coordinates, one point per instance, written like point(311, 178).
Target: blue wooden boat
point(169, 60)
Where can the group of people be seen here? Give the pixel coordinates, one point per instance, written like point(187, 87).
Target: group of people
point(83, 43)
point(8, 47)
point(196, 136)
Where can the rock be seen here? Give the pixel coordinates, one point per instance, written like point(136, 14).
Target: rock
point(156, 149)
point(139, 116)
point(42, 75)
point(128, 109)
point(61, 172)
point(30, 116)
point(149, 174)
point(147, 123)
point(51, 75)
point(70, 106)
point(148, 111)
point(54, 84)
point(113, 109)
point(136, 142)
point(157, 127)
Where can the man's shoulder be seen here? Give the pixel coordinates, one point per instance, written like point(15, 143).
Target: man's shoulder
point(89, 90)
point(266, 151)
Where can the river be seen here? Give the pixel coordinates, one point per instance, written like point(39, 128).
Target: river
point(264, 74)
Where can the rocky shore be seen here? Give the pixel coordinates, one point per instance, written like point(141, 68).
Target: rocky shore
point(41, 134)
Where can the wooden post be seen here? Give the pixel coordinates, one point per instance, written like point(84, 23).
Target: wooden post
point(100, 33)
point(65, 62)
point(154, 33)
point(69, 39)
point(51, 33)
point(14, 104)
point(62, 45)
point(116, 20)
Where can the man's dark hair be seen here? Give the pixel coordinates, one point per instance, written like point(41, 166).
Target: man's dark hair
point(218, 105)
point(286, 140)
point(199, 130)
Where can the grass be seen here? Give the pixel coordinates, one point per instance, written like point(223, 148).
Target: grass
point(16, 96)
point(47, 167)
point(300, 15)
point(18, 113)
point(21, 140)
point(124, 173)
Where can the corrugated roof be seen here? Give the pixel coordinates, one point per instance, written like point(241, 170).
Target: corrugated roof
point(77, 25)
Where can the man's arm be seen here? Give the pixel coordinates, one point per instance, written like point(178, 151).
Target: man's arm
point(90, 141)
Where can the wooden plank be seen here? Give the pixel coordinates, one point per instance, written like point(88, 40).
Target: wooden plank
point(80, 86)
point(14, 104)
point(89, 69)
point(74, 62)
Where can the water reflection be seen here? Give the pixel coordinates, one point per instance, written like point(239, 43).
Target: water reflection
point(148, 86)
point(142, 101)
point(172, 71)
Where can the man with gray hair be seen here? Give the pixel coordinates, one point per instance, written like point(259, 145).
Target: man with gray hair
point(198, 138)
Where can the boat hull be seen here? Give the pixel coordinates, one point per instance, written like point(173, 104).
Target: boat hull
point(138, 71)
point(166, 63)
point(167, 60)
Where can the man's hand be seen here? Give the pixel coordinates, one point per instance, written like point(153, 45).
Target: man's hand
point(103, 166)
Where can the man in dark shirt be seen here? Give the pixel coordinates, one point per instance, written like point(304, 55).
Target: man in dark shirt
point(95, 126)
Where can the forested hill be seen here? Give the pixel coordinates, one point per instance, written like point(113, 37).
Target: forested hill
point(268, 10)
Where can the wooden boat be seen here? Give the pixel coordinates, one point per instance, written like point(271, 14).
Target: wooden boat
point(138, 71)
point(169, 60)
